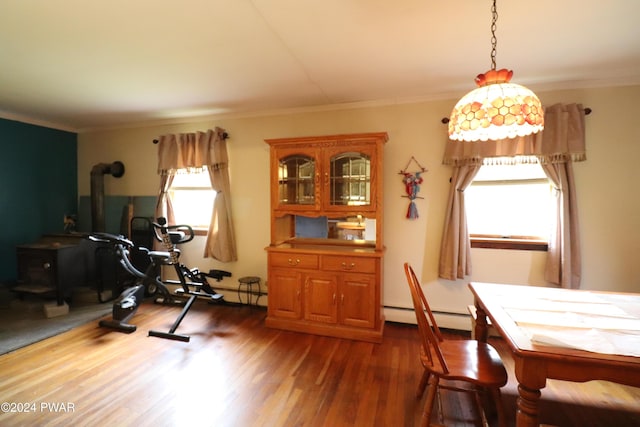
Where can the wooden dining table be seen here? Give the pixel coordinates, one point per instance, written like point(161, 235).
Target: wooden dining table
point(563, 334)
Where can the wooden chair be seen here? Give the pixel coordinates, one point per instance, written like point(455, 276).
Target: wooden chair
point(472, 363)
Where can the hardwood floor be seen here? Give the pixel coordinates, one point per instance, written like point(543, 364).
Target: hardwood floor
point(236, 372)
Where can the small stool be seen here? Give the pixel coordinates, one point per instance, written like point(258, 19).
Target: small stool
point(249, 281)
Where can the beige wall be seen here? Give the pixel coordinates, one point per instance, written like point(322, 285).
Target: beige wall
point(607, 197)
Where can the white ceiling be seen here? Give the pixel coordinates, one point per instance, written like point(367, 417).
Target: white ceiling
point(89, 64)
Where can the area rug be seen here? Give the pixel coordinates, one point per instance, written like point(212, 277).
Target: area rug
point(23, 322)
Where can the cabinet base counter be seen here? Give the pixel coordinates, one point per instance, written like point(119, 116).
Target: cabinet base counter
point(326, 290)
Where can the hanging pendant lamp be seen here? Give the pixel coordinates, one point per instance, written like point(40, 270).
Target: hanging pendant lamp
point(496, 109)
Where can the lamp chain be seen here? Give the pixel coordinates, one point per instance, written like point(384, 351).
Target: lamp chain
point(494, 39)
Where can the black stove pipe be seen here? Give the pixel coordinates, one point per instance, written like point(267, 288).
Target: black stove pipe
point(115, 169)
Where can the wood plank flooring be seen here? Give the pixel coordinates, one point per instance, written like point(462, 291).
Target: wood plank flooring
point(236, 372)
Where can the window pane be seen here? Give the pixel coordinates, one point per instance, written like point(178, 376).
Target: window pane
point(193, 207)
point(296, 183)
point(200, 179)
point(192, 199)
point(513, 200)
point(350, 179)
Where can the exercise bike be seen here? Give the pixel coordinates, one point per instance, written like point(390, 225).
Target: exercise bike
point(193, 283)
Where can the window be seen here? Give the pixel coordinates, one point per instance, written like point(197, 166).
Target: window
point(509, 206)
point(192, 198)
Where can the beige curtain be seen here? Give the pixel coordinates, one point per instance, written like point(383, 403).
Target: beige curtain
point(164, 207)
point(560, 144)
point(564, 133)
point(221, 241)
point(564, 261)
point(190, 152)
point(455, 248)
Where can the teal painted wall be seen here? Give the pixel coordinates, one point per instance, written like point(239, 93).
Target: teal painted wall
point(38, 186)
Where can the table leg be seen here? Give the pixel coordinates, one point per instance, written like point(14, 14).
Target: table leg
point(528, 410)
point(531, 379)
point(482, 328)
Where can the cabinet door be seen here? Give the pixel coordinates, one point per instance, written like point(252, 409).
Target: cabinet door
point(285, 293)
point(320, 298)
point(348, 178)
point(358, 300)
point(37, 268)
point(295, 172)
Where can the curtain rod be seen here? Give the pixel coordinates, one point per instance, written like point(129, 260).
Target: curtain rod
point(225, 135)
point(587, 111)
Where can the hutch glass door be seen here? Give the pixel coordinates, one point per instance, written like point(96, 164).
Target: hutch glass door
point(350, 179)
point(296, 180)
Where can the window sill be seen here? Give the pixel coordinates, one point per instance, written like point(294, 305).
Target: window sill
point(521, 244)
point(200, 231)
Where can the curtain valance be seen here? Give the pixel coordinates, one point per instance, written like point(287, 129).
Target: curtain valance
point(562, 139)
point(191, 151)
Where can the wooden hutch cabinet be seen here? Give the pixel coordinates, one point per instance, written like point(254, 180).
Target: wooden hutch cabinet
point(326, 250)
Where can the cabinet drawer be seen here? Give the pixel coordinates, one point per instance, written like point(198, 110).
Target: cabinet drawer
point(350, 264)
point(293, 260)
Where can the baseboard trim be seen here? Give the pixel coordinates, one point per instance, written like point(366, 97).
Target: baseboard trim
point(446, 320)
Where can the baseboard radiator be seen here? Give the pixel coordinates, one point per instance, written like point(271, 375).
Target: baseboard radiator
point(448, 320)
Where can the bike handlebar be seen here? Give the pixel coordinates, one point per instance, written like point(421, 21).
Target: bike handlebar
point(122, 246)
point(184, 233)
point(111, 238)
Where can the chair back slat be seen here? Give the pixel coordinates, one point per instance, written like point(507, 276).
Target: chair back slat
point(430, 334)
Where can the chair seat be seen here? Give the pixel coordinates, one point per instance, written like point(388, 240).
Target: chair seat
point(473, 361)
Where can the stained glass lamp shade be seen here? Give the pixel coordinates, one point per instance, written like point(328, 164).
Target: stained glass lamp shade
point(496, 109)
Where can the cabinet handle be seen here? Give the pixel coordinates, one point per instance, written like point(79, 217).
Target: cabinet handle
point(326, 178)
point(46, 265)
point(342, 299)
point(346, 266)
point(292, 262)
point(334, 299)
